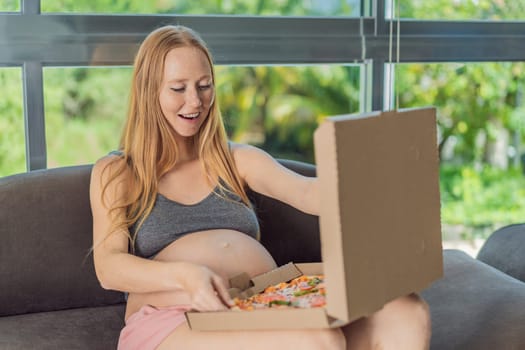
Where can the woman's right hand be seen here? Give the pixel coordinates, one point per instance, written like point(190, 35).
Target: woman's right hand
point(207, 290)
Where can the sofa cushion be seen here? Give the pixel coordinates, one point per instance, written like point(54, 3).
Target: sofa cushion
point(504, 250)
point(87, 328)
point(46, 235)
point(475, 306)
point(287, 233)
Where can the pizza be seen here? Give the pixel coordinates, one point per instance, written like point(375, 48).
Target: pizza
point(301, 292)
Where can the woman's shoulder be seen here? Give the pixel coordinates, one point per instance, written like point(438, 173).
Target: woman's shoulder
point(109, 161)
point(111, 157)
point(250, 158)
point(242, 149)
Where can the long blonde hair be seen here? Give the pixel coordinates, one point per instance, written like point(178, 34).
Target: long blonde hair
point(148, 147)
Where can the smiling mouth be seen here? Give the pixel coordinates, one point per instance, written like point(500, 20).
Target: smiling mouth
point(190, 116)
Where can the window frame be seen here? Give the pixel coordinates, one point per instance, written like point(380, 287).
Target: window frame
point(32, 41)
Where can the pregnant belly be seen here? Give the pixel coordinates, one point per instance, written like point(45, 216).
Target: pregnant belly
point(226, 252)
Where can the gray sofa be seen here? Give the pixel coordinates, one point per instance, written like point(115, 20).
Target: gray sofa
point(50, 298)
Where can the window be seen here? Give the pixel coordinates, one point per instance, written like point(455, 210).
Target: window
point(200, 7)
point(12, 144)
point(275, 107)
point(508, 10)
point(282, 75)
point(84, 112)
point(9, 5)
point(279, 107)
point(481, 121)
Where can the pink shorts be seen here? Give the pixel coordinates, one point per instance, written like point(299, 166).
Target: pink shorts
point(148, 327)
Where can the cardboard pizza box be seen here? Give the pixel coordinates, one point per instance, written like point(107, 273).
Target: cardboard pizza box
point(271, 318)
point(379, 222)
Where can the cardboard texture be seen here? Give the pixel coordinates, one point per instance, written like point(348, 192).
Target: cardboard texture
point(379, 222)
point(380, 208)
point(242, 286)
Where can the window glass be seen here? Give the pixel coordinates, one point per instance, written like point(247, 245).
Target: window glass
point(461, 9)
point(481, 121)
point(278, 107)
point(12, 134)
point(9, 5)
point(206, 7)
point(274, 107)
point(85, 109)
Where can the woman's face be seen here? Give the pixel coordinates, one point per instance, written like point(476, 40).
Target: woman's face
point(187, 90)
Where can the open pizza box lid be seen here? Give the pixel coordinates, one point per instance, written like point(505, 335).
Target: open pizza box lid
point(380, 208)
point(379, 223)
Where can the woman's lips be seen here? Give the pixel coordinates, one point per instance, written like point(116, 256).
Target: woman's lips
point(190, 116)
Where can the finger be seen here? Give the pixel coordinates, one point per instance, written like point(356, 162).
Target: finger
point(222, 291)
point(205, 303)
point(208, 300)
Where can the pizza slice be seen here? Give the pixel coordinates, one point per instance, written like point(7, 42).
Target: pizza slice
point(301, 292)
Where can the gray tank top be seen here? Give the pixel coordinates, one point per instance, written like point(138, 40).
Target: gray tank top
point(170, 220)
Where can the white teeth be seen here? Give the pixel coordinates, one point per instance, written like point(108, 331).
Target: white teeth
point(190, 116)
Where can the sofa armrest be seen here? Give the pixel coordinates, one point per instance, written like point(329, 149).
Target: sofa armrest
point(287, 233)
point(504, 250)
point(46, 234)
point(475, 306)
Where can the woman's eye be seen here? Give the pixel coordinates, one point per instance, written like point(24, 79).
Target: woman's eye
point(204, 87)
point(178, 89)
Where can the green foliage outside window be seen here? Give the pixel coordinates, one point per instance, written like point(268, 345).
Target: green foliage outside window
point(10, 5)
point(210, 7)
point(12, 146)
point(462, 9)
point(85, 110)
point(481, 118)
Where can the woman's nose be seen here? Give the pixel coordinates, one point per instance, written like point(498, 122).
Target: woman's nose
point(193, 98)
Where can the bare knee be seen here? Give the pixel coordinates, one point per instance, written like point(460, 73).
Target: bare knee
point(410, 317)
point(413, 310)
point(403, 323)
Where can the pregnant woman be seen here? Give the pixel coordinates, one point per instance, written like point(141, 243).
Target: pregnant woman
point(172, 222)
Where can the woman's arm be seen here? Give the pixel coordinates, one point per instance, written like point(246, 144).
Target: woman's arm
point(118, 270)
point(263, 174)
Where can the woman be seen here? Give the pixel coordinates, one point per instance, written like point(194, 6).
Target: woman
point(172, 222)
